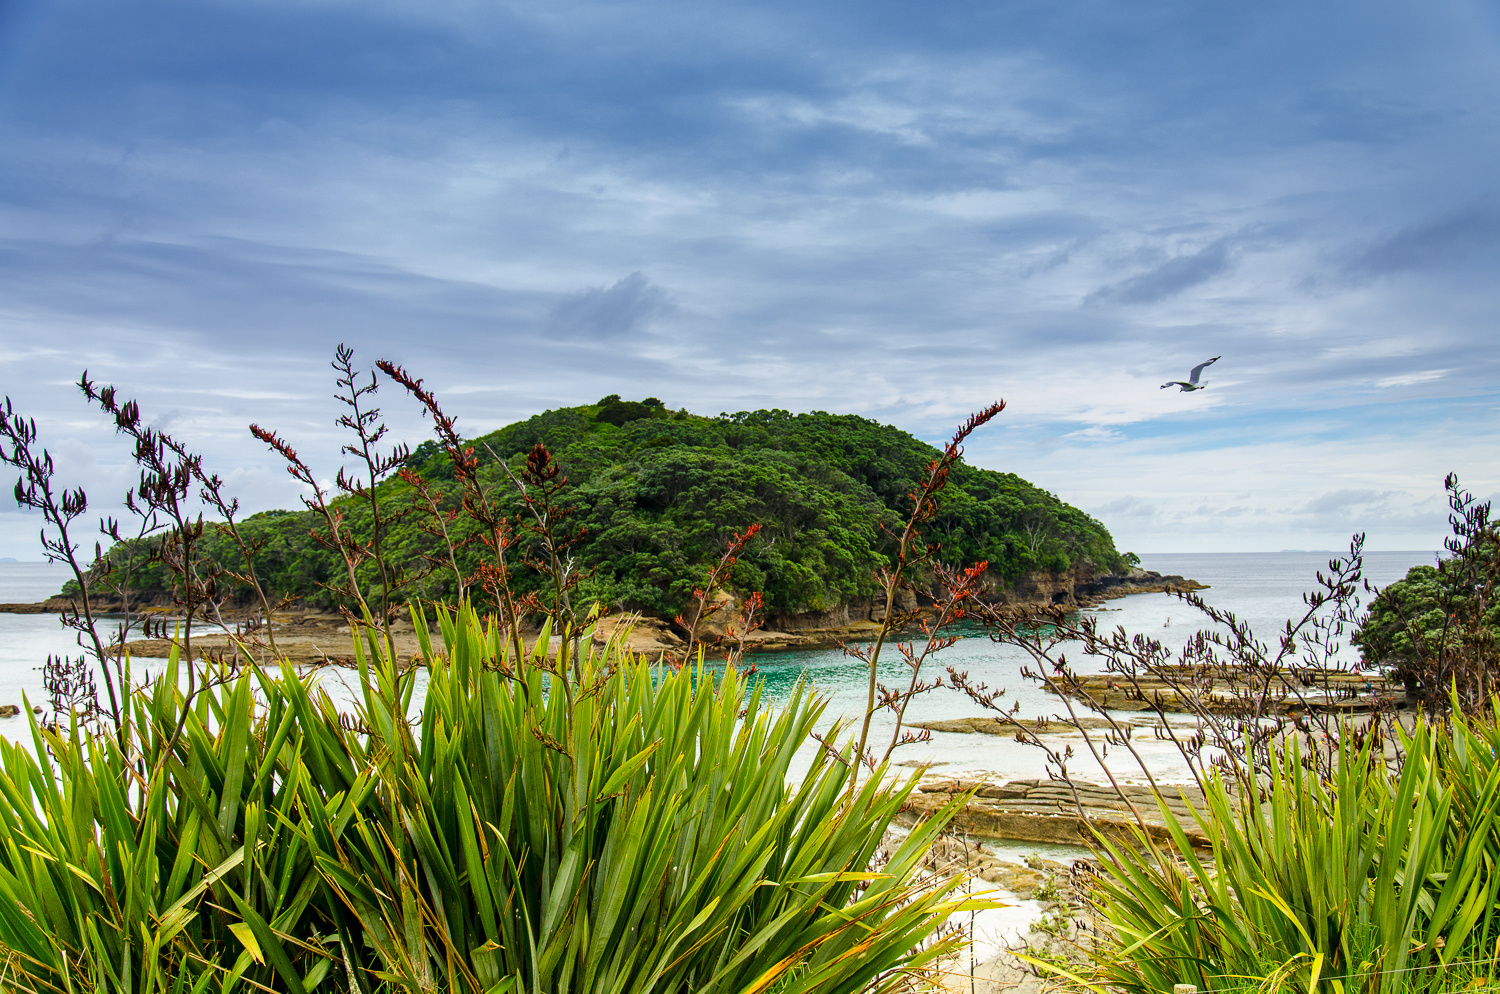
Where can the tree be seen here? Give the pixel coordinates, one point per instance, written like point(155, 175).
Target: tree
point(1438, 629)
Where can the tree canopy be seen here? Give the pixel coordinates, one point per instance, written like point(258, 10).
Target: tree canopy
point(1430, 610)
point(657, 493)
point(1437, 630)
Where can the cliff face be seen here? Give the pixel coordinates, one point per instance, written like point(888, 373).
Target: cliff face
point(850, 614)
point(1081, 586)
point(1043, 588)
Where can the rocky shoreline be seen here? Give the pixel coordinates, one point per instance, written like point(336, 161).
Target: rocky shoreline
point(1079, 587)
point(1184, 689)
point(310, 636)
point(1043, 908)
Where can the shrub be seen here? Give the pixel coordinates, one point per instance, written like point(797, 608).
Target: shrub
point(590, 825)
point(1370, 881)
point(598, 826)
point(1438, 629)
point(165, 856)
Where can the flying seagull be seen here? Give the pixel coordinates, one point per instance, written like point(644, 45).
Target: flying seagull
point(1192, 380)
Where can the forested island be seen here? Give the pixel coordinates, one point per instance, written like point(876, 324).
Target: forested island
point(653, 495)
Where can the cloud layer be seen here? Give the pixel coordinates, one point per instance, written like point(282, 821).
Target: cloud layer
point(900, 210)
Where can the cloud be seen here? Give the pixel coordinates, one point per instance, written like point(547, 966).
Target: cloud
point(1172, 277)
point(1344, 501)
point(1448, 238)
point(1356, 114)
point(604, 313)
point(892, 211)
point(1127, 507)
point(1409, 379)
point(1095, 434)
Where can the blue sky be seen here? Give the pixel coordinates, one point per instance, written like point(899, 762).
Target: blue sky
point(903, 210)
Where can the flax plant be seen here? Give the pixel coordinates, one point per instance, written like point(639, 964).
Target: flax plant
point(170, 863)
point(634, 830)
point(568, 821)
point(1363, 881)
point(636, 834)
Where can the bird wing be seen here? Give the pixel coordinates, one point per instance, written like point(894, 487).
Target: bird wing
point(1174, 383)
point(1198, 369)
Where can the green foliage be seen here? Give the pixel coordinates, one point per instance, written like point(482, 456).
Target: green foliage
point(1419, 613)
point(614, 411)
point(612, 828)
point(594, 826)
point(1438, 630)
point(659, 492)
point(1373, 881)
point(165, 859)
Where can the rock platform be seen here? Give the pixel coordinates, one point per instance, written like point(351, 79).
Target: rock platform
point(1179, 688)
point(1040, 725)
point(311, 639)
point(1046, 810)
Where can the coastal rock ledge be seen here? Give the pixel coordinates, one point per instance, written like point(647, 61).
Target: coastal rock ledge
point(1079, 587)
point(1046, 810)
point(1108, 586)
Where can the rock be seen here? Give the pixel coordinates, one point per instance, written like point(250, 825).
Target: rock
point(301, 648)
point(852, 614)
point(1021, 881)
point(720, 613)
point(1080, 586)
point(954, 854)
point(642, 636)
point(1177, 688)
point(1046, 811)
point(997, 726)
point(905, 601)
point(9, 710)
point(1138, 581)
point(763, 639)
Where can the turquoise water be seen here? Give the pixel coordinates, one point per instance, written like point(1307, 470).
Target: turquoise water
point(1262, 588)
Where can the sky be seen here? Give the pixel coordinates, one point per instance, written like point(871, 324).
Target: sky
point(904, 210)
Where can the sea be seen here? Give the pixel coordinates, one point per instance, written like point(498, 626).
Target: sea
point(1263, 589)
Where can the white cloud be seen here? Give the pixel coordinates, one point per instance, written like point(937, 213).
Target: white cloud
point(1407, 379)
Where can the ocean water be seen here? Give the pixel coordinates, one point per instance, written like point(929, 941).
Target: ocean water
point(27, 639)
point(1264, 589)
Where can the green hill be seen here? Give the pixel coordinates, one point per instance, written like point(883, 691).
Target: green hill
point(660, 491)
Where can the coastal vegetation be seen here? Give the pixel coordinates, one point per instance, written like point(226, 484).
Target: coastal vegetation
point(650, 497)
point(552, 816)
point(581, 823)
point(1345, 839)
point(1437, 630)
point(1362, 878)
